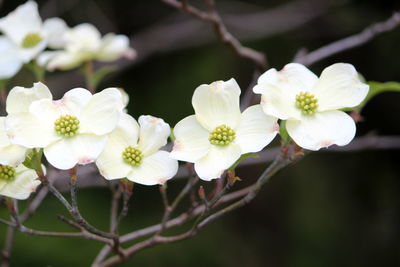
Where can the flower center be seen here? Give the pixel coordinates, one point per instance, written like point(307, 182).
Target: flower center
point(7, 173)
point(307, 103)
point(222, 136)
point(31, 40)
point(66, 125)
point(132, 156)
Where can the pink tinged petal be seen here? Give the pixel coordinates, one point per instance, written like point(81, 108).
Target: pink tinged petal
point(102, 113)
point(10, 62)
point(154, 133)
point(256, 130)
point(191, 141)
point(217, 103)
point(115, 46)
point(322, 130)
point(154, 169)
point(338, 87)
point(24, 184)
point(27, 130)
point(279, 89)
point(19, 99)
point(110, 162)
point(81, 149)
point(23, 20)
point(217, 160)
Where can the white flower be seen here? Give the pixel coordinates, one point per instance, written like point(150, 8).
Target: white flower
point(25, 36)
point(311, 105)
point(134, 152)
point(10, 154)
point(84, 43)
point(218, 134)
point(72, 130)
point(17, 182)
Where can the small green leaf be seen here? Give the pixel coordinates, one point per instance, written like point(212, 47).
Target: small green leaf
point(34, 160)
point(376, 88)
point(285, 138)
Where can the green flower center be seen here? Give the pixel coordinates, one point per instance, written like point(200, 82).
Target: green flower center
point(222, 136)
point(132, 156)
point(31, 40)
point(66, 125)
point(307, 103)
point(7, 173)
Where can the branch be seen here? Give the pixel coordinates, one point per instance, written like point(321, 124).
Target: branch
point(213, 17)
point(350, 42)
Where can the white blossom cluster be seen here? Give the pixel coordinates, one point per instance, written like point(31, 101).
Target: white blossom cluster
point(82, 128)
point(25, 38)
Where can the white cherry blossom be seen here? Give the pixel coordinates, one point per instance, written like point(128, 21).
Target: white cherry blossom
point(25, 36)
point(218, 134)
point(133, 151)
point(311, 105)
point(17, 182)
point(84, 43)
point(72, 130)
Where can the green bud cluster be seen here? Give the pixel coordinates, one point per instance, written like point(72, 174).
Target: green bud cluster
point(307, 103)
point(7, 173)
point(66, 125)
point(222, 136)
point(31, 40)
point(132, 156)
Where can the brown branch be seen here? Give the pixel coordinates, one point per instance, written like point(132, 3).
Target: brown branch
point(213, 17)
point(350, 42)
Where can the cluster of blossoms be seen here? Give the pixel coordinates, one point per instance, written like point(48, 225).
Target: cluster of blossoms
point(26, 36)
point(82, 128)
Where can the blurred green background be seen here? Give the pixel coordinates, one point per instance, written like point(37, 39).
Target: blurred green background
point(330, 209)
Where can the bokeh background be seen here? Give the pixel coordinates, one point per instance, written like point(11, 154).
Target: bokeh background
point(330, 209)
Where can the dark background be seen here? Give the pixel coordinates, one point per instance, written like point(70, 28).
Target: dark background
point(330, 209)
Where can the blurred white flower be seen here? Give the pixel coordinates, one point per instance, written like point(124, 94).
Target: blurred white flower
point(134, 152)
point(84, 43)
point(20, 98)
point(25, 36)
point(218, 134)
point(17, 182)
point(10, 154)
point(312, 106)
point(72, 130)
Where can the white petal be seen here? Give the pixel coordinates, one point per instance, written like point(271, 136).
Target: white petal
point(27, 130)
point(110, 162)
point(12, 155)
point(10, 62)
point(83, 38)
point(217, 160)
point(20, 98)
point(54, 29)
point(4, 140)
point(279, 89)
point(23, 20)
point(81, 149)
point(115, 46)
point(27, 54)
point(154, 169)
point(338, 87)
point(63, 60)
point(191, 140)
point(102, 113)
point(322, 130)
point(24, 184)
point(217, 104)
point(154, 133)
point(256, 130)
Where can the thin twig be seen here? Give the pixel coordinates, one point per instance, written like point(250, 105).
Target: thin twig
point(350, 42)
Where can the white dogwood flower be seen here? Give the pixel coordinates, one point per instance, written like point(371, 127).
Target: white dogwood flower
point(133, 152)
point(84, 43)
point(218, 134)
point(10, 154)
point(72, 130)
point(25, 36)
point(17, 182)
point(311, 105)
